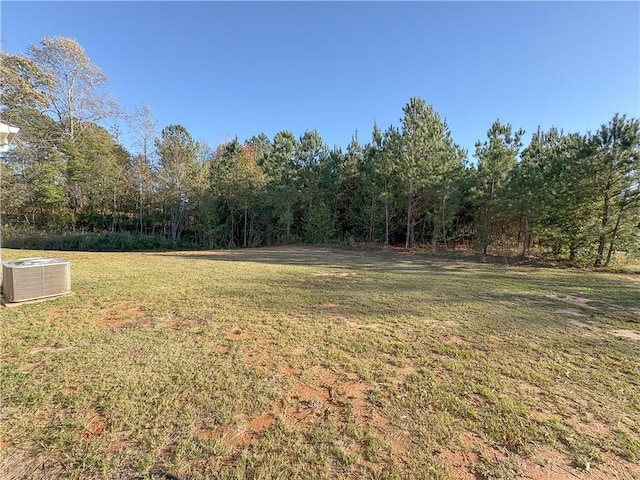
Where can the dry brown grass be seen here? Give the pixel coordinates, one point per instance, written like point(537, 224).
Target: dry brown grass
point(320, 363)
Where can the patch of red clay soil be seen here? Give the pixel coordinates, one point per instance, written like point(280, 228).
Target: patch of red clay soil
point(464, 453)
point(55, 316)
point(5, 443)
point(261, 342)
point(455, 340)
point(402, 373)
point(96, 426)
point(250, 358)
point(255, 353)
point(306, 393)
point(208, 433)
point(232, 436)
point(238, 334)
point(587, 424)
point(356, 393)
point(326, 387)
point(118, 443)
point(123, 314)
point(460, 464)
point(323, 377)
point(399, 444)
point(354, 390)
point(379, 421)
point(544, 463)
point(287, 369)
point(547, 463)
point(261, 423)
point(306, 403)
point(528, 389)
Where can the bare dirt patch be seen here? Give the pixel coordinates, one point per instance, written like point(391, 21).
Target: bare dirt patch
point(255, 353)
point(473, 457)
point(5, 443)
point(633, 335)
point(261, 342)
point(261, 423)
point(587, 424)
point(548, 463)
point(307, 393)
point(529, 389)
point(232, 436)
point(310, 401)
point(237, 333)
point(323, 377)
point(287, 369)
point(460, 463)
point(118, 443)
point(402, 373)
point(574, 300)
point(578, 323)
point(472, 454)
point(56, 316)
point(379, 421)
point(456, 340)
point(123, 314)
point(399, 445)
point(354, 390)
point(356, 394)
point(96, 426)
point(208, 433)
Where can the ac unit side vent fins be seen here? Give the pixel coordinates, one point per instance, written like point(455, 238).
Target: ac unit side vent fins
point(34, 278)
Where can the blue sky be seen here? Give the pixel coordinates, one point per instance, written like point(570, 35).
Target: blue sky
point(225, 69)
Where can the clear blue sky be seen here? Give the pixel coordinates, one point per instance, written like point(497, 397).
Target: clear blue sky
point(224, 69)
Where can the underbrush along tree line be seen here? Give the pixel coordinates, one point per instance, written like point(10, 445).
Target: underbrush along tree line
point(574, 196)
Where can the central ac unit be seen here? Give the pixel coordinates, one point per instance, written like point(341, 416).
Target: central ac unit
point(34, 278)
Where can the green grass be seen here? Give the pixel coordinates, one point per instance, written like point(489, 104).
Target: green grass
point(319, 363)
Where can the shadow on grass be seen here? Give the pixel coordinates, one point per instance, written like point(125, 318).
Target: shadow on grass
point(443, 279)
point(373, 258)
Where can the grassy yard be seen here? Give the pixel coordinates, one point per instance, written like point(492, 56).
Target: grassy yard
point(300, 363)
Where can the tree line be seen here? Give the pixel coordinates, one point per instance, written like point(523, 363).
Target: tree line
point(573, 196)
